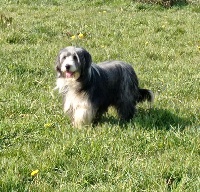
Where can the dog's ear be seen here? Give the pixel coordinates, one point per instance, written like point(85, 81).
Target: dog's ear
point(85, 61)
point(84, 57)
point(87, 57)
point(57, 64)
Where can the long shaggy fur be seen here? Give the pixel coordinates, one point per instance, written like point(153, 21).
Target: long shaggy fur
point(89, 89)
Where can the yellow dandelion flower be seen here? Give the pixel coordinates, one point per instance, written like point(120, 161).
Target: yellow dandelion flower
point(80, 36)
point(73, 37)
point(48, 125)
point(34, 173)
point(104, 11)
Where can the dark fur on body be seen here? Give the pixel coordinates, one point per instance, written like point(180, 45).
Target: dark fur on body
point(110, 83)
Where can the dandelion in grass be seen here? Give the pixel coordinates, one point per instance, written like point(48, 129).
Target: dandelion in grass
point(34, 173)
point(80, 36)
point(73, 37)
point(48, 125)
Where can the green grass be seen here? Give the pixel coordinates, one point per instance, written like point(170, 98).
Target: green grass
point(156, 151)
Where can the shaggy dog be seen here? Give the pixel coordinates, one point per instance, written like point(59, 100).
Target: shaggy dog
point(89, 89)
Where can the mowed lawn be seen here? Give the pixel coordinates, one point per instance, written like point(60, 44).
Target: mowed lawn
point(158, 150)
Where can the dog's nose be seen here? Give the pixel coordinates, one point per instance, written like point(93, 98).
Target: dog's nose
point(67, 67)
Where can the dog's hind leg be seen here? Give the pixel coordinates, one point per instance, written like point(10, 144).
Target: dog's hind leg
point(126, 110)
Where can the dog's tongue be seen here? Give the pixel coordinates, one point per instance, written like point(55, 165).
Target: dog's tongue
point(69, 74)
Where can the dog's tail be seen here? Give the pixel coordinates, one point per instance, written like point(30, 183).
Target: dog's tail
point(146, 95)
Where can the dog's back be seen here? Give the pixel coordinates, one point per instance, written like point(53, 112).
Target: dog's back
point(119, 73)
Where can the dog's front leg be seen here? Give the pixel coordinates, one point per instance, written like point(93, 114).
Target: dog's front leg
point(83, 116)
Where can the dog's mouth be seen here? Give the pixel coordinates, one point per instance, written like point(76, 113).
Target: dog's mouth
point(69, 74)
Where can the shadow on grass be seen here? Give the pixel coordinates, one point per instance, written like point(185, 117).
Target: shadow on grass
point(160, 119)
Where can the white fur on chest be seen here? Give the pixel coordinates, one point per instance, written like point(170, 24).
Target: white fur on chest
point(76, 105)
point(74, 101)
point(61, 85)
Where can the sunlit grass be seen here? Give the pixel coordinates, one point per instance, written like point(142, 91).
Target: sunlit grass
point(156, 151)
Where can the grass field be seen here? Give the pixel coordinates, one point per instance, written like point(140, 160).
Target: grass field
point(159, 150)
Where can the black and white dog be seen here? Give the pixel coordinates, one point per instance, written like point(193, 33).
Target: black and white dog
point(89, 89)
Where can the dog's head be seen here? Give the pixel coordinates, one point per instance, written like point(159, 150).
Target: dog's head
point(73, 62)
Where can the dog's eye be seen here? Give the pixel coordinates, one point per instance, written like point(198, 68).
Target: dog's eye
point(64, 57)
point(74, 57)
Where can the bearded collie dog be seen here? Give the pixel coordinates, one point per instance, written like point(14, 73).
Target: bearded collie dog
point(89, 89)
